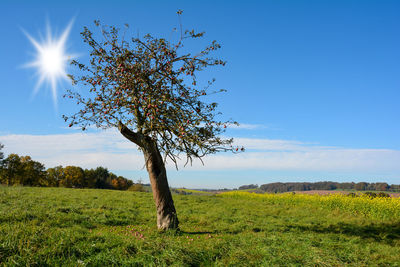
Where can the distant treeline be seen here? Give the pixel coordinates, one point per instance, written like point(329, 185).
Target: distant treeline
point(287, 187)
point(249, 186)
point(22, 170)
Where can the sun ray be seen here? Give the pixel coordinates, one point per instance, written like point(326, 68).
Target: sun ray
point(50, 59)
point(38, 84)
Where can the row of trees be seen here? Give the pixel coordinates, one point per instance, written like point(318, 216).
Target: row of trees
point(362, 186)
point(249, 186)
point(22, 170)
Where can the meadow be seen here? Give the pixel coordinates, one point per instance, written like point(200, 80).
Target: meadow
point(92, 227)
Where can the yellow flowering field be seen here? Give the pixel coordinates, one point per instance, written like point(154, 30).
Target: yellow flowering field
point(379, 207)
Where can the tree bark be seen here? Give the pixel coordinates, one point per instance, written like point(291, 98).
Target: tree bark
point(166, 213)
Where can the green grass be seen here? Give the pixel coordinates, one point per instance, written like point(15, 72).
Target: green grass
point(73, 227)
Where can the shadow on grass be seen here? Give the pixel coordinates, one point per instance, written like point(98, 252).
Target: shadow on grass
point(210, 232)
point(382, 232)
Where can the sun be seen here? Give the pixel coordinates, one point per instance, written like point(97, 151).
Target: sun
point(51, 59)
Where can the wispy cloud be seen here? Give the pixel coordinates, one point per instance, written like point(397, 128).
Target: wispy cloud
point(110, 149)
point(271, 144)
point(247, 126)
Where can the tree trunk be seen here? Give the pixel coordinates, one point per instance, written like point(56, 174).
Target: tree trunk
point(166, 213)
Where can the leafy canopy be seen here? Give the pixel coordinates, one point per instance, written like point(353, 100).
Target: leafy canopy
point(149, 86)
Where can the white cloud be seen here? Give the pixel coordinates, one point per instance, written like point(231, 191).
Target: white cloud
point(105, 148)
point(246, 126)
point(110, 149)
point(332, 160)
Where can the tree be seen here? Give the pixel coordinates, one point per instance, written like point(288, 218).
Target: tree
point(90, 178)
point(73, 177)
point(136, 187)
point(102, 178)
point(1, 162)
point(395, 187)
point(55, 175)
point(1, 153)
point(23, 171)
point(361, 186)
point(147, 88)
point(12, 170)
point(32, 172)
point(250, 186)
point(381, 186)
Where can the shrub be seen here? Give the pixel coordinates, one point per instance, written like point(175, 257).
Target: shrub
point(370, 194)
point(136, 188)
point(382, 194)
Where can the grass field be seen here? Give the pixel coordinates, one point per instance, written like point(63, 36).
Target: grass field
point(73, 227)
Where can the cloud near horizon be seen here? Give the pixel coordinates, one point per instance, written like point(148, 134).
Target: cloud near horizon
point(111, 150)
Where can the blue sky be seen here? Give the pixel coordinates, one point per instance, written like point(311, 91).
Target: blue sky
point(315, 85)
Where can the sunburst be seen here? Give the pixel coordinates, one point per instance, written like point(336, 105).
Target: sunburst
point(51, 59)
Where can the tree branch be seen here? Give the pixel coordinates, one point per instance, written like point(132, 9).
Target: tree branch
point(136, 138)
